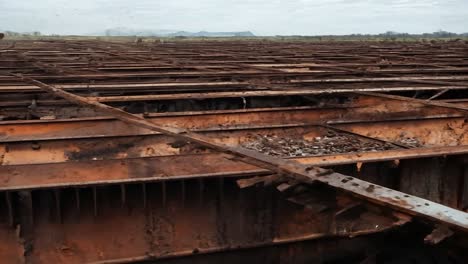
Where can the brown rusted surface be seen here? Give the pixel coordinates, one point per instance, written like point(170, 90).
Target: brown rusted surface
point(363, 108)
point(428, 133)
point(161, 161)
point(414, 205)
point(61, 150)
point(169, 225)
point(11, 248)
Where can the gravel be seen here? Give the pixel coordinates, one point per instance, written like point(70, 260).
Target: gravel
point(330, 143)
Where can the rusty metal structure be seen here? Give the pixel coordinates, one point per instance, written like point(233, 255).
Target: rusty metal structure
point(229, 151)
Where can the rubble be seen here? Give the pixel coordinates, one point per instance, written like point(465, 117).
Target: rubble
point(330, 143)
point(410, 142)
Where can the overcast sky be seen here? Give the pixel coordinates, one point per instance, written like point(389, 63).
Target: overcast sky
point(262, 17)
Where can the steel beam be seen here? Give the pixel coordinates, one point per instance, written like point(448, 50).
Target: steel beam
point(377, 194)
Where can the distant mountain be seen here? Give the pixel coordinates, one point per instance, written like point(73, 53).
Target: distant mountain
point(121, 31)
point(212, 34)
point(171, 33)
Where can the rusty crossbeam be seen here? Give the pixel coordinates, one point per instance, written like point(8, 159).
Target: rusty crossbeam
point(240, 94)
point(217, 85)
point(254, 75)
point(134, 144)
point(167, 168)
point(376, 194)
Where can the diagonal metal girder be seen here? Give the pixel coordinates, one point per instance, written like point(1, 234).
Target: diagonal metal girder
point(376, 194)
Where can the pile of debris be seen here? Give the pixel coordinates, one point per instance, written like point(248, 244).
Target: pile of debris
point(330, 143)
point(410, 142)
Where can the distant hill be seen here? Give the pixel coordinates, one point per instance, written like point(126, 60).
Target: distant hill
point(211, 34)
point(171, 33)
point(122, 31)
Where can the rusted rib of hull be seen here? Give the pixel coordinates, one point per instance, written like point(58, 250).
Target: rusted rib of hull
point(381, 195)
